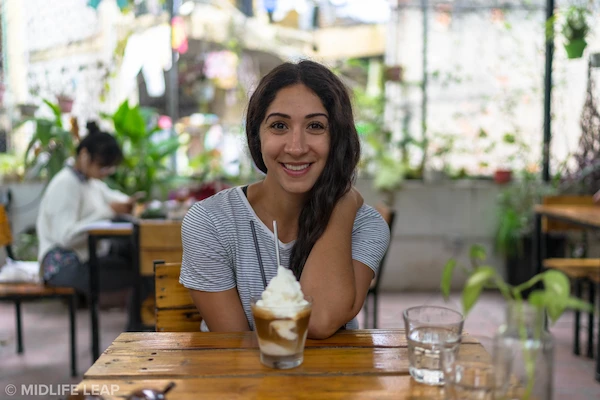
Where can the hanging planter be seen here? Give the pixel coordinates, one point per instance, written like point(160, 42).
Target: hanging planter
point(65, 103)
point(575, 29)
point(575, 48)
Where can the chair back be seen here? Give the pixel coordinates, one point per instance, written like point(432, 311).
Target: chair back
point(6, 238)
point(175, 311)
point(158, 240)
point(552, 225)
point(389, 216)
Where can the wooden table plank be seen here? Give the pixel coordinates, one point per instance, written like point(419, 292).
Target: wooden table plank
point(273, 387)
point(120, 363)
point(583, 215)
point(247, 340)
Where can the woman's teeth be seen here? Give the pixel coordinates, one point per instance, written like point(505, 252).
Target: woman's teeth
point(296, 167)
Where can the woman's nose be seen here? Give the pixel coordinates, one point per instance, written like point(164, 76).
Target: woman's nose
point(296, 143)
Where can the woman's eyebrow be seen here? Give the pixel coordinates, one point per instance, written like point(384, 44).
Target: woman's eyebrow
point(277, 114)
point(282, 115)
point(316, 115)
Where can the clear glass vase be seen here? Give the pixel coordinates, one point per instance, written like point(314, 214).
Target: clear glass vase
point(523, 355)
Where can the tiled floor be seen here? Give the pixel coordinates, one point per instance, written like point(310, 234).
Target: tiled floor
point(46, 357)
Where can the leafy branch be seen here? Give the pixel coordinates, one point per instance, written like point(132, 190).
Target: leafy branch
point(554, 297)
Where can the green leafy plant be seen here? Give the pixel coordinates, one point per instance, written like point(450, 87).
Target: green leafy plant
point(145, 163)
point(554, 297)
point(575, 29)
point(50, 146)
point(515, 212)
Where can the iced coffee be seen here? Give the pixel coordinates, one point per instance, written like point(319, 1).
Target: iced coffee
point(281, 317)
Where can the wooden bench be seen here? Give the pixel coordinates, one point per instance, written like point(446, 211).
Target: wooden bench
point(19, 292)
point(22, 292)
point(175, 310)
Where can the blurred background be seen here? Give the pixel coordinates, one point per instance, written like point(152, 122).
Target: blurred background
point(469, 113)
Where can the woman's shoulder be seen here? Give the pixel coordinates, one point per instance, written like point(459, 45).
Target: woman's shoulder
point(369, 218)
point(222, 206)
point(63, 181)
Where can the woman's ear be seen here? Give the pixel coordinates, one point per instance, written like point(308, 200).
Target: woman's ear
point(85, 158)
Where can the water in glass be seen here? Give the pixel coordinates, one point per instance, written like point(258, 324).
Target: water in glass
point(425, 346)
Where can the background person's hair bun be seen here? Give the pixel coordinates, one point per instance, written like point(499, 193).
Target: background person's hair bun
point(92, 127)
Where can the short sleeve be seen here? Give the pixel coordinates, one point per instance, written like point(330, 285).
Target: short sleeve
point(206, 265)
point(370, 237)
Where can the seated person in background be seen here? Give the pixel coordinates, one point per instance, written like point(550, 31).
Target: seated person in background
point(77, 197)
point(301, 133)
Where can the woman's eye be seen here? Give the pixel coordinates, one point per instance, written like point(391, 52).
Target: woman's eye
point(316, 127)
point(278, 126)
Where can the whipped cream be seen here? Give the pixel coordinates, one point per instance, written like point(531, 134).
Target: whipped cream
point(284, 294)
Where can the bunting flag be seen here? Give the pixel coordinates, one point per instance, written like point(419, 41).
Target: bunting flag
point(123, 4)
point(179, 41)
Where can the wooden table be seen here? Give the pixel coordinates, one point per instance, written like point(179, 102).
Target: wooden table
point(101, 230)
point(365, 364)
point(586, 216)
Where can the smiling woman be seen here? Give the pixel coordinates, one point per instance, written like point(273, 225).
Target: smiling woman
point(301, 134)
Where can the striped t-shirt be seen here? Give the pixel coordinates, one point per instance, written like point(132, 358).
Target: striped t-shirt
point(219, 252)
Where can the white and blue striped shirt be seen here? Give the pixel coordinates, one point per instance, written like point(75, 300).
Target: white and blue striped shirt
point(219, 251)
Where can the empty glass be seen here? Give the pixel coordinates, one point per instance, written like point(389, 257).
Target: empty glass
point(430, 331)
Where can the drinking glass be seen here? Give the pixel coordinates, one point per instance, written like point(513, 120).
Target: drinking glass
point(430, 331)
point(281, 333)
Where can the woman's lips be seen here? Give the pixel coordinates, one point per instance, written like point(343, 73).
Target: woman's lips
point(296, 169)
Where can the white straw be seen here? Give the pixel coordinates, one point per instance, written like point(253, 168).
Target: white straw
point(276, 243)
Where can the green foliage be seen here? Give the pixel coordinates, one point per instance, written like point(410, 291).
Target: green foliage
point(515, 207)
point(554, 297)
point(576, 25)
point(145, 163)
point(51, 141)
point(388, 168)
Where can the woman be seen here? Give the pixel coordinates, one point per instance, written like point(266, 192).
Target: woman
point(75, 198)
point(301, 134)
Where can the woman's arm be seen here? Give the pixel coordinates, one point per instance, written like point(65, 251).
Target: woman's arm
point(222, 311)
point(207, 270)
point(337, 283)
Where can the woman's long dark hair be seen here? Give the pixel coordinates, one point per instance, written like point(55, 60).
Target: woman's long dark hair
point(344, 150)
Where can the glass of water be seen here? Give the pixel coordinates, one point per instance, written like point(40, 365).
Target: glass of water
point(431, 331)
point(470, 380)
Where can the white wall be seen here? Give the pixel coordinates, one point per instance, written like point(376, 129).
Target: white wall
point(435, 222)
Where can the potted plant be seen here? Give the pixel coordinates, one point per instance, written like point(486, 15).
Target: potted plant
point(575, 28)
point(523, 348)
point(145, 155)
point(65, 102)
point(50, 146)
point(514, 232)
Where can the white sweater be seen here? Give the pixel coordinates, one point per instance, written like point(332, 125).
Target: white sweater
point(67, 206)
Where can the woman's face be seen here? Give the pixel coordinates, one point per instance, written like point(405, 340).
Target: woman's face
point(93, 169)
point(295, 139)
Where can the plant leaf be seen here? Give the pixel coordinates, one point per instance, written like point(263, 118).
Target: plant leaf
point(478, 252)
point(556, 283)
point(447, 277)
point(475, 285)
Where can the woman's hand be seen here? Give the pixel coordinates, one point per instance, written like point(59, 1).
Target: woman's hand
point(597, 197)
point(122, 208)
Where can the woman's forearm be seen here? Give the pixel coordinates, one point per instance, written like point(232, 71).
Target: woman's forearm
point(328, 275)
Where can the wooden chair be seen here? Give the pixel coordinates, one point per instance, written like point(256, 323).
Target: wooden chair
point(20, 292)
point(578, 269)
point(158, 240)
point(389, 216)
point(175, 310)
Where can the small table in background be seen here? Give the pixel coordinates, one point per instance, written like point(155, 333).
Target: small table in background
point(97, 231)
point(586, 216)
